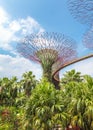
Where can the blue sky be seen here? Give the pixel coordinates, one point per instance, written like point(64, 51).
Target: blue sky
point(21, 17)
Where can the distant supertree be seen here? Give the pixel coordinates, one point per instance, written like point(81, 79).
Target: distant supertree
point(82, 10)
point(88, 39)
point(48, 49)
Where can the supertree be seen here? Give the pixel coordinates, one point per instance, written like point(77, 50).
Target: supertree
point(88, 39)
point(82, 10)
point(48, 49)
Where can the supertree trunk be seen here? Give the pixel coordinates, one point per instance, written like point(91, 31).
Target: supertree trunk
point(56, 82)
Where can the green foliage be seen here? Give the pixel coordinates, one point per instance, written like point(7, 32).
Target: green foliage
point(28, 82)
point(8, 118)
point(79, 101)
point(8, 91)
point(71, 76)
point(13, 98)
point(31, 105)
point(45, 107)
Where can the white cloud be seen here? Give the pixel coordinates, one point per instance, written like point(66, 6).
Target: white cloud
point(13, 30)
point(29, 25)
point(85, 67)
point(4, 17)
point(14, 26)
point(16, 66)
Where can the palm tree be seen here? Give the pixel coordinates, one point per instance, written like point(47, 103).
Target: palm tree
point(4, 95)
point(28, 82)
point(71, 76)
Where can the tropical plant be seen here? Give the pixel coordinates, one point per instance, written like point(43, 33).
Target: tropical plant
point(44, 109)
point(28, 82)
point(8, 91)
point(27, 105)
point(79, 102)
point(8, 118)
point(71, 76)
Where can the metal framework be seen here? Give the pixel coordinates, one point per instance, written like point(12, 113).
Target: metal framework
point(82, 10)
point(88, 39)
point(48, 49)
point(55, 73)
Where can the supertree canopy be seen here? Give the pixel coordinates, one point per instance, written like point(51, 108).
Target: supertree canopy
point(88, 38)
point(47, 49)
point(82, 10)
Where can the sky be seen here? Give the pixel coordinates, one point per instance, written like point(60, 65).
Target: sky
point(19, 18)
